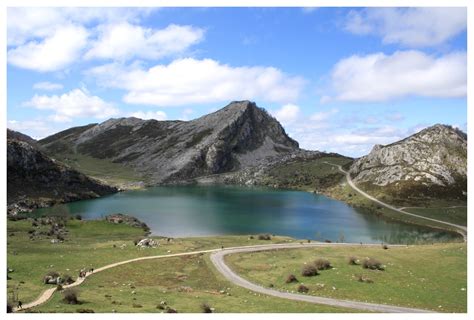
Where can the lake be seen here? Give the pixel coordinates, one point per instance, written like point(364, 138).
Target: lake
point(183, 211)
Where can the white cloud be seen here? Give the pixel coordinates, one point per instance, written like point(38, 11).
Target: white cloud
point(157, 115)
point(186, 114)
point(323, 115)
point(191, 81)
point(24, 24)
point(36, 129)
point(74, 104)
point(52, 53)
point(48, 86)
point(380, 77)
point(124, 41)
point(287, 113)
point(411, 27)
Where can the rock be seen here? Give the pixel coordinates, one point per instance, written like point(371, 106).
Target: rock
point(126, 219)
point(235, 137)
point(147, 242)
point(35, 180)
point(432, 162)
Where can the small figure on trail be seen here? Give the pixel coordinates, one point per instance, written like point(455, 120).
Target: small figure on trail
point(20, 305)
point(222, 247)
point(91, 270)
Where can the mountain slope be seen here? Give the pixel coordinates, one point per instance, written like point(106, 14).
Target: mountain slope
point(235, 137)
point(35, 180)
point(429, 164)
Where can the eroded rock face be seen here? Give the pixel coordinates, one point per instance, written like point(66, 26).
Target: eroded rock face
point(35, 180)
point(235, 137)
point(434, 156)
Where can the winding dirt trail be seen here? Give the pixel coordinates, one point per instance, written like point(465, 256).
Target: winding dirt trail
point(460, 229)
point(218, 261)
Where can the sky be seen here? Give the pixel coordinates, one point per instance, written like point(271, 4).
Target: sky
point(338, 79)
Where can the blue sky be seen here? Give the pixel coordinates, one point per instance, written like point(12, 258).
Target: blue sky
point(338, 79)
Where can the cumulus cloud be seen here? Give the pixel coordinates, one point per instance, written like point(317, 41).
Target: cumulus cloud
point(36, 129)
point(411, 27)
point(123, 41)
point(380, 77)
point(188, 81)
point(74, 104)
point(47, 86)
point(24, 24)
point(157, 115)
point(287, 113)
point(52, 53)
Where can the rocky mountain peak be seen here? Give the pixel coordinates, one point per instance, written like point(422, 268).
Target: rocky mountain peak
point(435, 156)
point(237, 136)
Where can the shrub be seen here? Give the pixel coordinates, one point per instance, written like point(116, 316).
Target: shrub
point(373, 264)
point(68, 279)
point(82, 310)
point(353, 261)
point(265, 236)
point(291, 278)
point(59, 287)
point(303, 289)
point(160, 307)
point(322, 264)
point(136, 305)
point(78, 217)
point(206, 308)
point(171, 310)
point(309, 271)
point(70, 296)
point(361, 278)
point(385, 247)
point(136, 241)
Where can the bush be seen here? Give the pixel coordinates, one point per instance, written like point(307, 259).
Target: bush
point(265, 236)
point(361, 278)
point(136, 241)
point(68, 279)
point(206, 308)
point(171, 310)
point(70, 296)
point(385, 247)
point(303, 289)
point(309, 271)
point(59, 287)
point(291, 278)
point(353, 261)
point(322, 264)
point(78, 217)
point(373, 264)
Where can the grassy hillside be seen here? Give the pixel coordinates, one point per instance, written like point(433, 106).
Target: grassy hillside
point(430, 276)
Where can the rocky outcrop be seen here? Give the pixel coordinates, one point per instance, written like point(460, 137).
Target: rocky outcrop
point(236, 137)
point(35, 180)
point(119, 218)
point(432, 160)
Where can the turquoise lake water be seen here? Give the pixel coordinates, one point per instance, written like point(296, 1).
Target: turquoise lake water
point(181, 211)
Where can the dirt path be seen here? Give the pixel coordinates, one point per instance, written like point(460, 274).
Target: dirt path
point(461, 229)
point(217, 260)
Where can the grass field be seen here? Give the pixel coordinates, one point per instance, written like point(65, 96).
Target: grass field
point(89, 244)
point(432, 277)
point(457, 215)
point(184, 283)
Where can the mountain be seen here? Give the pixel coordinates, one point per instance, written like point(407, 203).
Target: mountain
point(11, 134)
point(431, 163)
point(236, 137)
point(34, 180)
